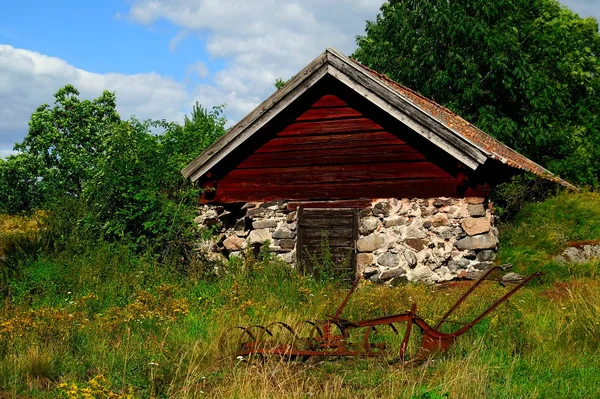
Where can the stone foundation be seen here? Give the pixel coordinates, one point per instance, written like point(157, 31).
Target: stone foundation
point(430, 240)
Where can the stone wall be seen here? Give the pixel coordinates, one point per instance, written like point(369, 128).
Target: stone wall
point(430, 240)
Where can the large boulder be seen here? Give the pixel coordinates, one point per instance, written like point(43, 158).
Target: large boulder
point(474, 226)
point(283, 232)
point(390, 274)
point(476, 210)
point(368, 225)
point(234, 243)
point(259, 236)
point(388, 259)
point(370, 243)
point(483, 241)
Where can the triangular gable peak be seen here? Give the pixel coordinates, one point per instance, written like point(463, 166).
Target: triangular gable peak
point(453, 136)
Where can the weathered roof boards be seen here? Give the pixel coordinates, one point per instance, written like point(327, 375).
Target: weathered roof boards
point(339, 130)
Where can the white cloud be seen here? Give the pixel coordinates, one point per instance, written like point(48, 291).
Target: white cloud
point(261, 39)
point(199, 69)
point(30, 79)
point(175, 41)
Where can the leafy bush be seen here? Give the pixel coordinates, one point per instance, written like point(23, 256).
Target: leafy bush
point(104, 177)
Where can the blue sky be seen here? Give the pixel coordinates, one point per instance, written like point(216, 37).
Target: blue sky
point(161, 56)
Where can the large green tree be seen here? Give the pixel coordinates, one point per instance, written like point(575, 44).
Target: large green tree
point(525, 71)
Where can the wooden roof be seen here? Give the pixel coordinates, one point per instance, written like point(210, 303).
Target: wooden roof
point(444, 129)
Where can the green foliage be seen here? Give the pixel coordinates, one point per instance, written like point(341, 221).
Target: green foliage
point(66, 140)
point(527, 72)
point(279, 83)
point(101, 176)
point(542, 230)
point(510, 197)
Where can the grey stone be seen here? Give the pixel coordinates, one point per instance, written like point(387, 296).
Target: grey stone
point(264, 224)
point(421, 273)
point(370, 243)
point(457, 264)
point(363, 260)
point(382, 209)
point(487, 255)
point(234, 243)
point(414, 231)
point(366, 212)
point(291, 217)
point(292, 226)
point(289, 257)
point(259, 236)
point(240, 224)
point(258, 212)
point(277, 249)
point(429, 211)
point(375, 278)
point(444, 274)
point(474, 226)
point(286, 243)
point(388, 259)
point(390, 274)
point(410, 258)
point(370, 272)
point(416, 243)
point(395, 221)
point(445, 233)
point(482, 265)
point(483, 241)
point(512, 277)
point(476, 210)
point(368, 225)
point(283, 232)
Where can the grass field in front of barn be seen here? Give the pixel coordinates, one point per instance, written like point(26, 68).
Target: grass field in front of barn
point(98, 321)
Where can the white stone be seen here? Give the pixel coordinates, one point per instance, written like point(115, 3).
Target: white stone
point(259, 236)
point(368, 225)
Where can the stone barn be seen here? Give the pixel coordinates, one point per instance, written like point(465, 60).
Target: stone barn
point(342, 162)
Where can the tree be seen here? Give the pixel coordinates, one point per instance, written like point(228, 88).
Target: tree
point(65, 141)
point(525, 71)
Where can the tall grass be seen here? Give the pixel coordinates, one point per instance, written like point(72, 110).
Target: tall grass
point(106, 322)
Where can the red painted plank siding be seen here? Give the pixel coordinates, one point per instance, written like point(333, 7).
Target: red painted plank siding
point(333, 151)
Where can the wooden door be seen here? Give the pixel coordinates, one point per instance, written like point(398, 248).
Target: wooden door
point(327, 241)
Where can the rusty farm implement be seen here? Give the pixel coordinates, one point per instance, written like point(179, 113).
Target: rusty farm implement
point(334, 336)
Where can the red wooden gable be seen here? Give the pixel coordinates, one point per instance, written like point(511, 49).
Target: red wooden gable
point(334, 151)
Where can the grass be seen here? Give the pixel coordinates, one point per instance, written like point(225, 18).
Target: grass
point(102, 322)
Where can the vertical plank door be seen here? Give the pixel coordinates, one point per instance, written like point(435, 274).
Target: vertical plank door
point(327, 241)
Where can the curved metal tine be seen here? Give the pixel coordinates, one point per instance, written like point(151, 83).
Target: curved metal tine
point(265, 329)
point(224, 338)
point(259, 337)
point(394, 329)
point(464, 296)
point(299, 328)
point(284, 325)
